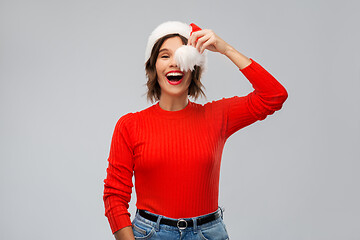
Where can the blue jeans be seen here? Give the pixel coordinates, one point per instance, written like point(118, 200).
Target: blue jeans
point(146, 229)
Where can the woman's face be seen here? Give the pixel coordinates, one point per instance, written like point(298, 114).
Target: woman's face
point(173, 82)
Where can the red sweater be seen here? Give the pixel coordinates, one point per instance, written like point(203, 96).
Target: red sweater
point(176, 155)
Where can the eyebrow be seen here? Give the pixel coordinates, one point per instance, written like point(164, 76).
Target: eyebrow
point(164, 49)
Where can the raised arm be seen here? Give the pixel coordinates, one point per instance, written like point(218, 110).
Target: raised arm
point(267, 97)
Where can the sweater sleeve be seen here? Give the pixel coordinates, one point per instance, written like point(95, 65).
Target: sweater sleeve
point(268, 96)
point(118, 182)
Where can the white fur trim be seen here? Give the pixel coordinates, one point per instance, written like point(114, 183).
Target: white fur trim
point(165, 29)
point(187, 57)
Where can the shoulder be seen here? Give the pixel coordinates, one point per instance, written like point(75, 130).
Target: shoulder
point(125, 122)
point(130, 120)
point(126, 118)
point(126, 128)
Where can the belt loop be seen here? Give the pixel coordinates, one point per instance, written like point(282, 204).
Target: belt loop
point(157, 227)
point(222, 209)
point(195, 225)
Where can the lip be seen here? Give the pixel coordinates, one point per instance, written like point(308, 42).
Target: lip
point(178, 82)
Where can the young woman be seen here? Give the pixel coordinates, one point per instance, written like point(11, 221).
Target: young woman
point(174, 147)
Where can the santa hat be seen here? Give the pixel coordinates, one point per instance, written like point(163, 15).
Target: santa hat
point(187, 57)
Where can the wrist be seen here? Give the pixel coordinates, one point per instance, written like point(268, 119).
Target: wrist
point(228, 50)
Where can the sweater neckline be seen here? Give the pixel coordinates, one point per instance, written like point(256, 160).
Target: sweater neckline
point(174, 114)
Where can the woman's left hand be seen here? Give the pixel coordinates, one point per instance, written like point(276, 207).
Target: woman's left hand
point(207, 39)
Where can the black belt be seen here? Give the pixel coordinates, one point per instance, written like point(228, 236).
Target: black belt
point(181, 223)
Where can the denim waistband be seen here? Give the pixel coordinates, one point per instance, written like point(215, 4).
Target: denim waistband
point(194, 219)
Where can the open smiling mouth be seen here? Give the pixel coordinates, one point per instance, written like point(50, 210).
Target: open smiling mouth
point(174, 77)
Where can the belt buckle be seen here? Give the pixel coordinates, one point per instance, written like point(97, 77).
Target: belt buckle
point(181, 221)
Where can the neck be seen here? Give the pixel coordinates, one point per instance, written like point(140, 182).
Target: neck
point(173, 103)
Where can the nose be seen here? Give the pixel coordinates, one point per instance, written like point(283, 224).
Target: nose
point(173, 62)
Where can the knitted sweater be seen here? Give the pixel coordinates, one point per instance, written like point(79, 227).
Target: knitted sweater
point(176, 155)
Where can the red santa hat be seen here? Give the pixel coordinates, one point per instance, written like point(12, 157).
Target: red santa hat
point(187, 57)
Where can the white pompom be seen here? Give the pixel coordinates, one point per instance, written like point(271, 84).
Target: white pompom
point(187, 57)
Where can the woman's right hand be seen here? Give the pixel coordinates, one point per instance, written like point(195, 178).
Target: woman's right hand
point(125, 233)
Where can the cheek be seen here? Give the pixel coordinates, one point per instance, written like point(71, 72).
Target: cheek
point(158, 74)
point(188, 77)
point(159, 64)
point(157, 68)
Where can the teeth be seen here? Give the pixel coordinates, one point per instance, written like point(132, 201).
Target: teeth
point(175, 74)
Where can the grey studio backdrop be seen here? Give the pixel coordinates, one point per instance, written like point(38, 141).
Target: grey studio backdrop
point(70, 69)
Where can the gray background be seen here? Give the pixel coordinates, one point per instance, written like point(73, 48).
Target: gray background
point(70, 69)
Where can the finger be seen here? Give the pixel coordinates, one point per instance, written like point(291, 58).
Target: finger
point(201, 41)
point(190, 40)
point(210, 43)
point(193, 39)
point(196, 35)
